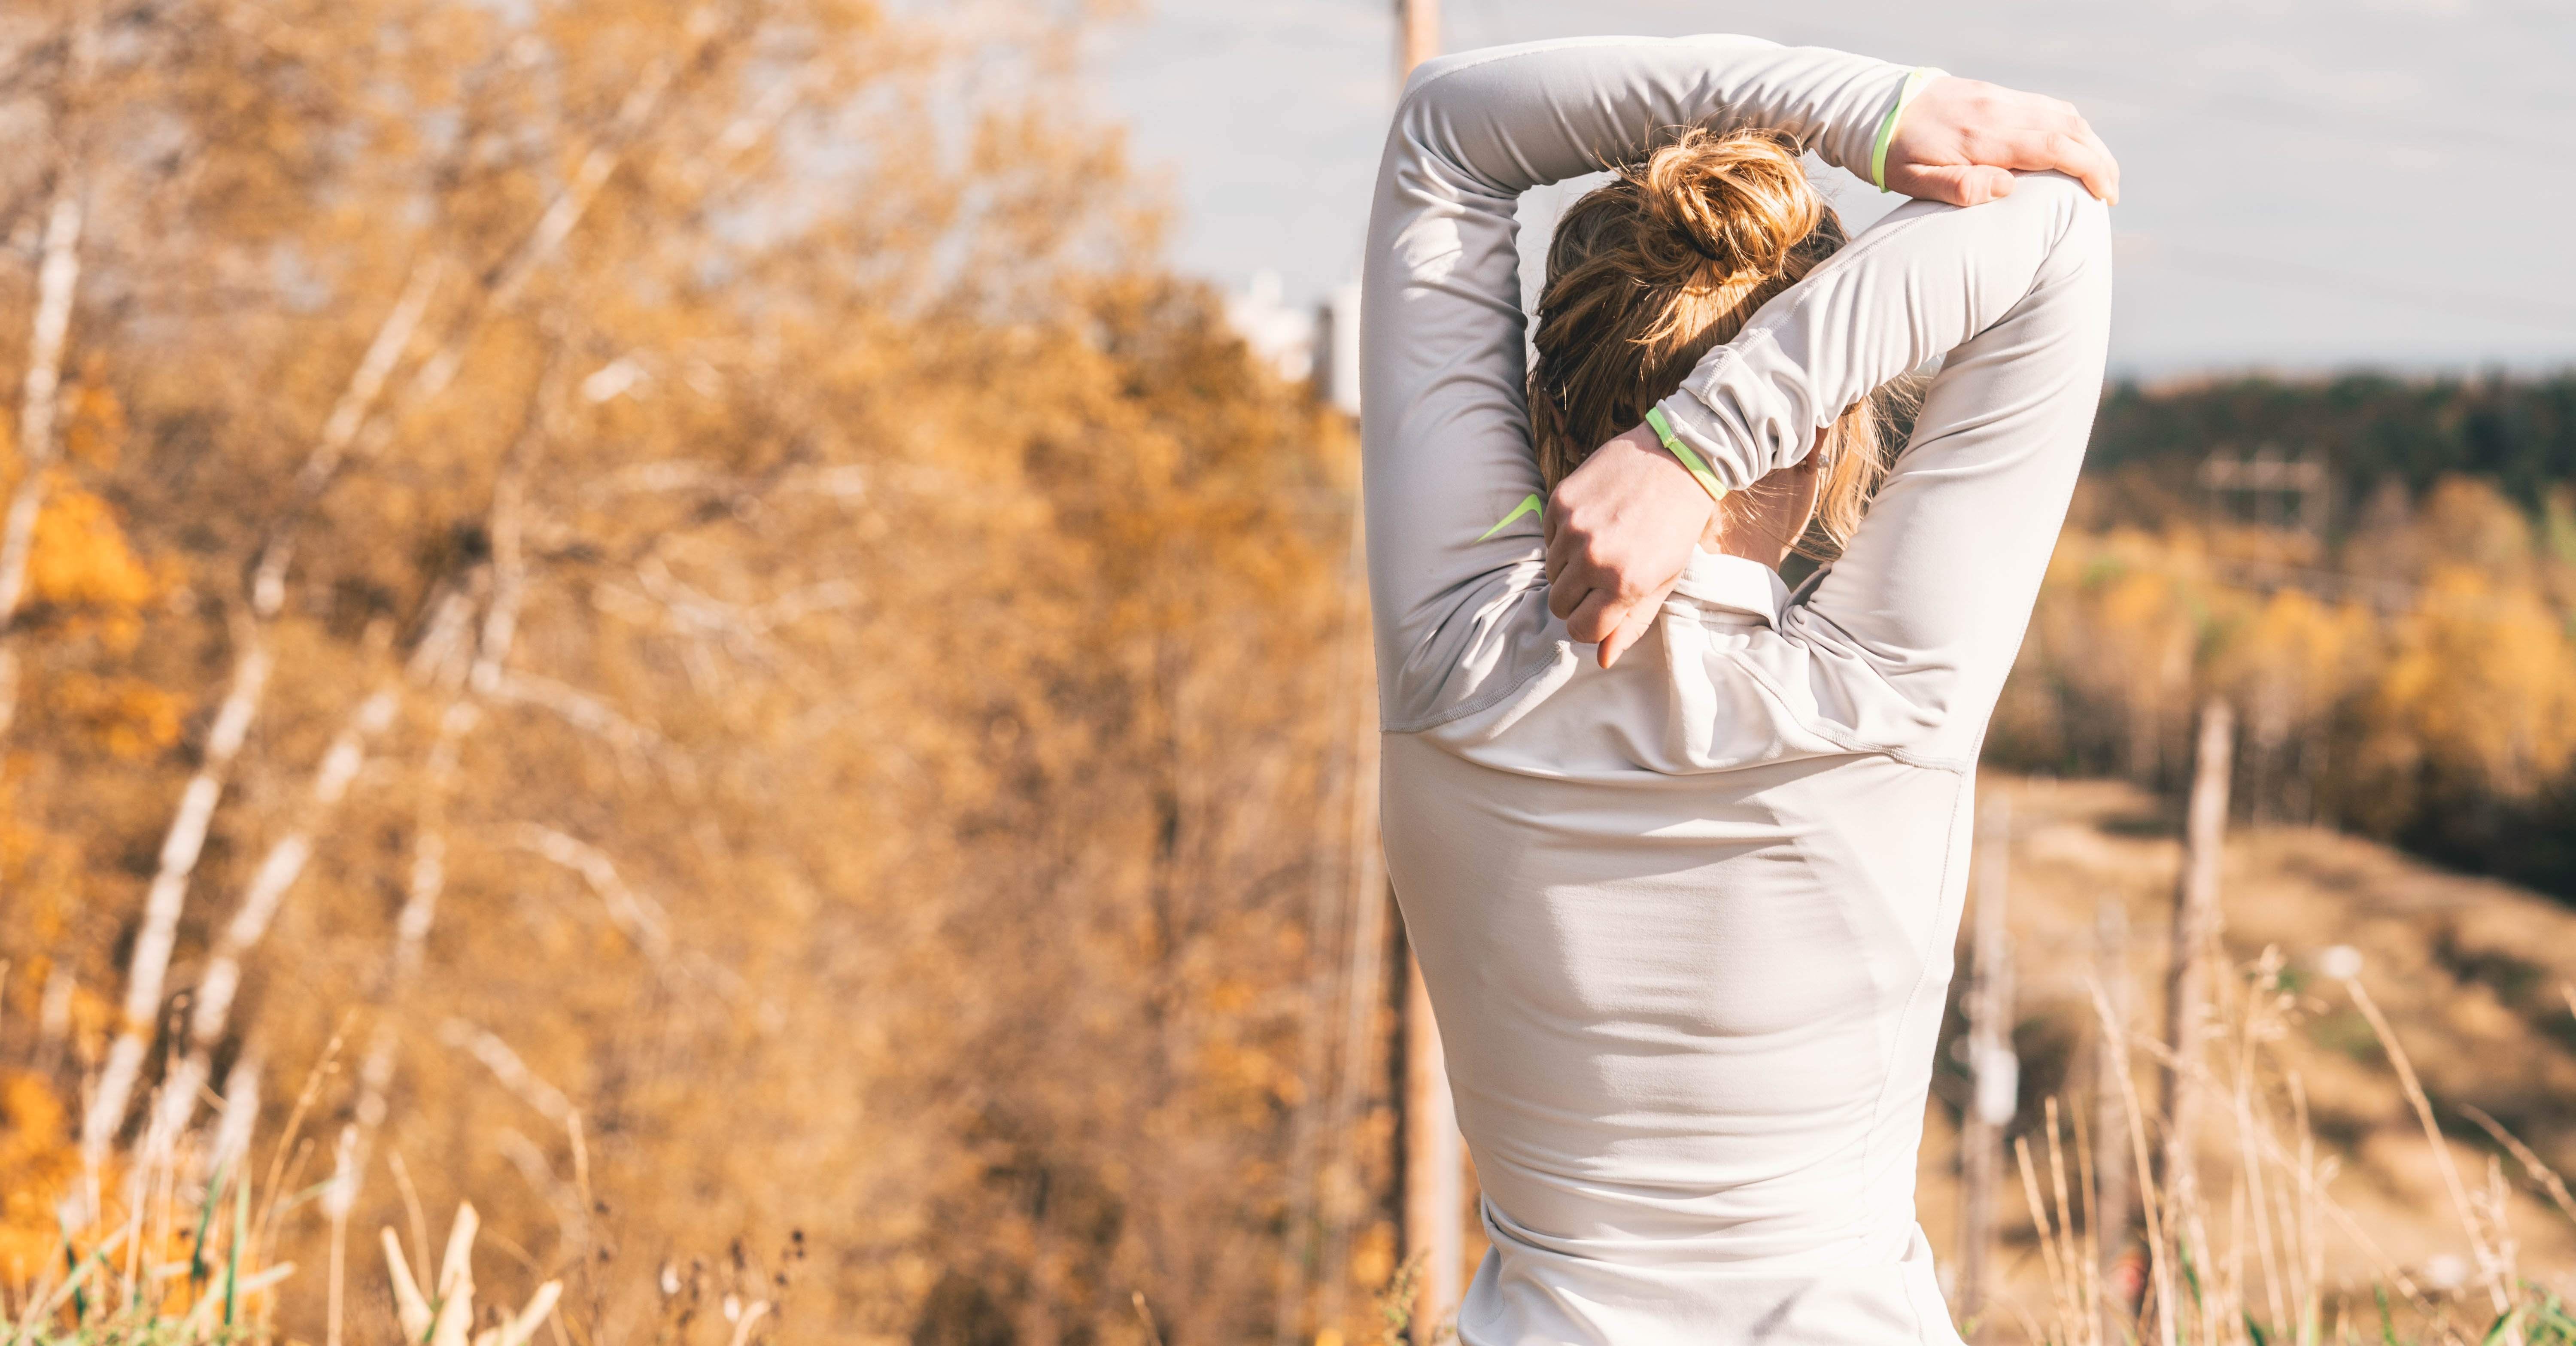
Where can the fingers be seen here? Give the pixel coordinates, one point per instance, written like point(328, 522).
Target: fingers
point(1640, 619)
point(1596, 618)
point(1569, 578)
point(1562, 549)
point(2053, 135)
point(2081, 155)
point(1955, 184)
point(1564, 596)
point(2104, 181)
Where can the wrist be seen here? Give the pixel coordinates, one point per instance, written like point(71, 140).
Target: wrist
point(1643, 460)
point(1660, 427)
point(1916, 81)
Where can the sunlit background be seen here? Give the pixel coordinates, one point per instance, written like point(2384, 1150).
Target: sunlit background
point(2306, 184)
point(691, 671)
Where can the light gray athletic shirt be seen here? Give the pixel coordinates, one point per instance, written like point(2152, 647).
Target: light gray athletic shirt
point(1686, 924)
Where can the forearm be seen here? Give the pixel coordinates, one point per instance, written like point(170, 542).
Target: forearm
point(1511, 118)
point(1935, 588)
point(1907, 292)
point(1446, 433)
point(1443, 333)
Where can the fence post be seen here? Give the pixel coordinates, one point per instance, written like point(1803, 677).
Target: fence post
point(2196, 925)
point(2114, 1187)
point(1994, 1073)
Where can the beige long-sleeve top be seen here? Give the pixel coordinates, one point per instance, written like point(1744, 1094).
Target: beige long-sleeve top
point(1686, 923)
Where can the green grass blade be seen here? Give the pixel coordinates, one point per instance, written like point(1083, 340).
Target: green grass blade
point(75, 1269)
point(205, 1219)
point(232, 1256)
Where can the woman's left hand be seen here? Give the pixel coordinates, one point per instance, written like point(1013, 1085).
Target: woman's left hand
point(1620, 529)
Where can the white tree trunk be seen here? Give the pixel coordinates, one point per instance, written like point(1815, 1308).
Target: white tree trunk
point(57, 278)
point(269, 884)
point(347, 429)
point(58, 271)
point(180, 848)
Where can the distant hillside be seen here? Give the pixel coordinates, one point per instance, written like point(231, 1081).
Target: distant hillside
point(2370, 429)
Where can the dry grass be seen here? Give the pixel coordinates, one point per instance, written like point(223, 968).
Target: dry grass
point(172, 1242)
point(2375, 1165)
point(2355, 1181)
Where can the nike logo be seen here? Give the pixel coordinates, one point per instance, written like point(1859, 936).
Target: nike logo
point(1529, 504)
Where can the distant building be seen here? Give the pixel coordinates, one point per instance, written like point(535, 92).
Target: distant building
point(1337, 342)
point(1280, 336)
point(1322, 344)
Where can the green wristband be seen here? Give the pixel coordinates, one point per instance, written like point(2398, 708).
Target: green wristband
point(1915, 79)
point(1663, 429)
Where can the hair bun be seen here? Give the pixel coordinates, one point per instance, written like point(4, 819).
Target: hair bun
point(1650, 270)
point(1740, 202)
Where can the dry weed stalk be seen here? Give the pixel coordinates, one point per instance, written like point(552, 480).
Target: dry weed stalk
point(446, 1319)
point(2268, 1282)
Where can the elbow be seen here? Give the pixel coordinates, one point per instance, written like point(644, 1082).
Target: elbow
point(1423, 117)
point(1422, 88)
point(1425, 140)
point(2078, 223)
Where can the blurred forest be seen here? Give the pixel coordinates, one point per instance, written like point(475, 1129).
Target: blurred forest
point(666, 587)
point(2372, 429)
point(2379, 574)
point(659, 614)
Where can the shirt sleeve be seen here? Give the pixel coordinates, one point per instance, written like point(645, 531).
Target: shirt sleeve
point(1458, 601)
point(1909, 635)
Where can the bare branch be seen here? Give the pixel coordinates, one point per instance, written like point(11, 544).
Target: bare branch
point(487, 1047)
point(639, 918)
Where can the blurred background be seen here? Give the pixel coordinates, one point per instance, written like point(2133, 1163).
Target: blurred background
point(729, 629)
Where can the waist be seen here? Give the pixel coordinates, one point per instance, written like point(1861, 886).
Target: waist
point(1876, 1293)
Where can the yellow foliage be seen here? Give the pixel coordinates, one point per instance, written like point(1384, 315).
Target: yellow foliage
point(94, 421)
point(1373, 1255)
point(124, 715)
point(81, 557)
point(2482, 683)
point(2426, 673)
point(37, 1163)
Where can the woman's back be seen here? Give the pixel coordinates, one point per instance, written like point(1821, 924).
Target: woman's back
point(1686, 922)
point(1688, 959)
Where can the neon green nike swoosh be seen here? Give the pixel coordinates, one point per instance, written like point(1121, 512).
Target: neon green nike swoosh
point(1529, 504)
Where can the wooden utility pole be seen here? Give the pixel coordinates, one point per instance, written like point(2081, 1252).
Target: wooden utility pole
point(1994, 1073)
point(2196, 926)
point(1434, 1195)
point(2114, 1188)
point(1419, 21)
point(1434, 1168)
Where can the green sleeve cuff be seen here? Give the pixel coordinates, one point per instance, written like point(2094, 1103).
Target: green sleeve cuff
point(1915, 79)
point(1699, 470)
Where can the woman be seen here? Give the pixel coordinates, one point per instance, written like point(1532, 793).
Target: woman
point(1686, 917)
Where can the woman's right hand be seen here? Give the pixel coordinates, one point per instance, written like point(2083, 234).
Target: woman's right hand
point(1961, 140)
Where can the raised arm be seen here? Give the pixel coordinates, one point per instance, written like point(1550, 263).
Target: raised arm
point(1459, 610)
point(1930, 600)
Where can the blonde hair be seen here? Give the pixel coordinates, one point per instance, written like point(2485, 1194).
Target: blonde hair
point(1666, 261)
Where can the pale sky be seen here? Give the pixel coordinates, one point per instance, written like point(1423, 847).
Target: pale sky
point(2307, 184)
